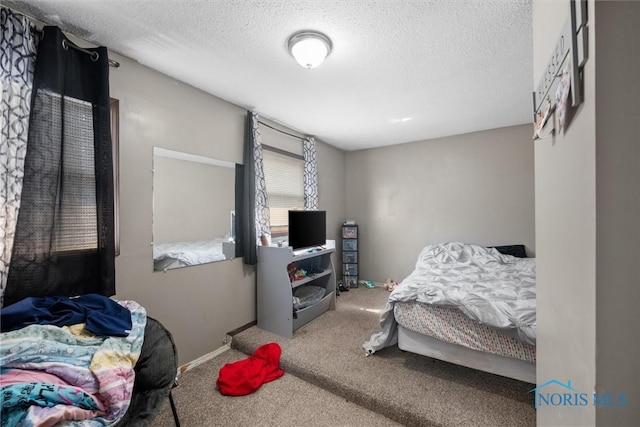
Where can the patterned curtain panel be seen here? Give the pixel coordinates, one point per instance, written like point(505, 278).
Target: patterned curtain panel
point(255, 215)
point(310, 174)
point(18, 46)
point(263, 219)
point(64, 237)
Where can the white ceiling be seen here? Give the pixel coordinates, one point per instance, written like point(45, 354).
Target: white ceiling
point(400, 71)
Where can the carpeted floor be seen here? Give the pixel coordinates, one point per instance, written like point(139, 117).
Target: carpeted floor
point(325, 359)
point(287, 401)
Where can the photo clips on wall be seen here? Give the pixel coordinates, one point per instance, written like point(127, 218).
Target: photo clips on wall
point(563, 75)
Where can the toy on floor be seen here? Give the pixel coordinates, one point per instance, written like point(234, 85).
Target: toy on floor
point(390, 284)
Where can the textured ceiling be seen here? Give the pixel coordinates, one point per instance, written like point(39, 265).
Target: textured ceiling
point(400, 71)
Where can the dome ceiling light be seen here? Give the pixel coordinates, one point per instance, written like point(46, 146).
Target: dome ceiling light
point(309, 48)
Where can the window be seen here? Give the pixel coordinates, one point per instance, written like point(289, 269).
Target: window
point(75, 219)
point(284, 179)
point(76, 226)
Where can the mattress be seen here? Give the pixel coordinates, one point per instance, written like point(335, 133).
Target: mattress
point(452, 326)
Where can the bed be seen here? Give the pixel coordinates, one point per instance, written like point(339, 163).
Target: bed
point(466, 304)
point(89, 360)
point(171, 255)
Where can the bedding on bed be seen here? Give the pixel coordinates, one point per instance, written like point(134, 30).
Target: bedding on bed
point(452, 326)
point(182, 254)
point(55, 373)
point(494, 289)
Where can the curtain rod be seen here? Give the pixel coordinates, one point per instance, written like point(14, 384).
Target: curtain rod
point(281, 131)
point(94, 55)
point(35, 28)
point(65, 45)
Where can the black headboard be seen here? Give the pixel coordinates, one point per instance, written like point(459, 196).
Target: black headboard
point(514, 250)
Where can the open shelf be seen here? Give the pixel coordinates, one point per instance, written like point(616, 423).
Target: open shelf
point(310, 278)
point(275, 312)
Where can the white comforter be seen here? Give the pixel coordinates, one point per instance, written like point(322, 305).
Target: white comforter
point(190, 253)
point(494, 289)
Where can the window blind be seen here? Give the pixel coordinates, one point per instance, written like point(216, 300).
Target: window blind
point(75, 218)
point(284, 179)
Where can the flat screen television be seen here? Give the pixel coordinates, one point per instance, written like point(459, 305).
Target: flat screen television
point(307, 228)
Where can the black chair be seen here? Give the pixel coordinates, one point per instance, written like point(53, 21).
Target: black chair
point(173, 405)
point(156, 371)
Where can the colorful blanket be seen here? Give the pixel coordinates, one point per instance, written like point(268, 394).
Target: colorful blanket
point(52, 374)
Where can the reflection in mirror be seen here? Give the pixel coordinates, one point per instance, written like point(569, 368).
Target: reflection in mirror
point(193, 209)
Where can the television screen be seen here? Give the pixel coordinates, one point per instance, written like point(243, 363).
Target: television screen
point(307, 228)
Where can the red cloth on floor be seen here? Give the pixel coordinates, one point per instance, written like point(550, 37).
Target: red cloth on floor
point(247, 375)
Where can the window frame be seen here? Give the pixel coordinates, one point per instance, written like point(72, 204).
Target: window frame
point(114, 112)
point(114, 116)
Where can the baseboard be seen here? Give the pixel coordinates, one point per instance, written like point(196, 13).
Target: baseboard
point(242, 328)
point(202, 359)
point(227, 346)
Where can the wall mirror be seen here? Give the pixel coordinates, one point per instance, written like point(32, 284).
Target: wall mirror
point(193, 209)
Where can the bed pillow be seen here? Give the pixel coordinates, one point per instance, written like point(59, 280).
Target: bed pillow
point(514, 250)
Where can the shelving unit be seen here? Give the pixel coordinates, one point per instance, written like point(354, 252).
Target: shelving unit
point(276, 308)
point(350, 255)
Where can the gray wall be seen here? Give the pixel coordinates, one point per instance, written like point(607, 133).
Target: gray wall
point(618, 207)
point(565, 236)
point(476, 188)
point(197, 304)
point(332, 191)
point(588, 221)
point(191, 201)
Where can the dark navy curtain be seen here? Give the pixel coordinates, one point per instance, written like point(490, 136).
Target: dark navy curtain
point(248, 215)
point(64, 237)
point(255, 212)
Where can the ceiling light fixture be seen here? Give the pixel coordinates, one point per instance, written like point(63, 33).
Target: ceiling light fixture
point(309, 48)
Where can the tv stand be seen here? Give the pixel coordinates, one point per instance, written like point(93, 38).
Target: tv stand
point(276, 308)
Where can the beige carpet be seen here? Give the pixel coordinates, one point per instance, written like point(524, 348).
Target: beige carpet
point(287, 401)
point(325, 359)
